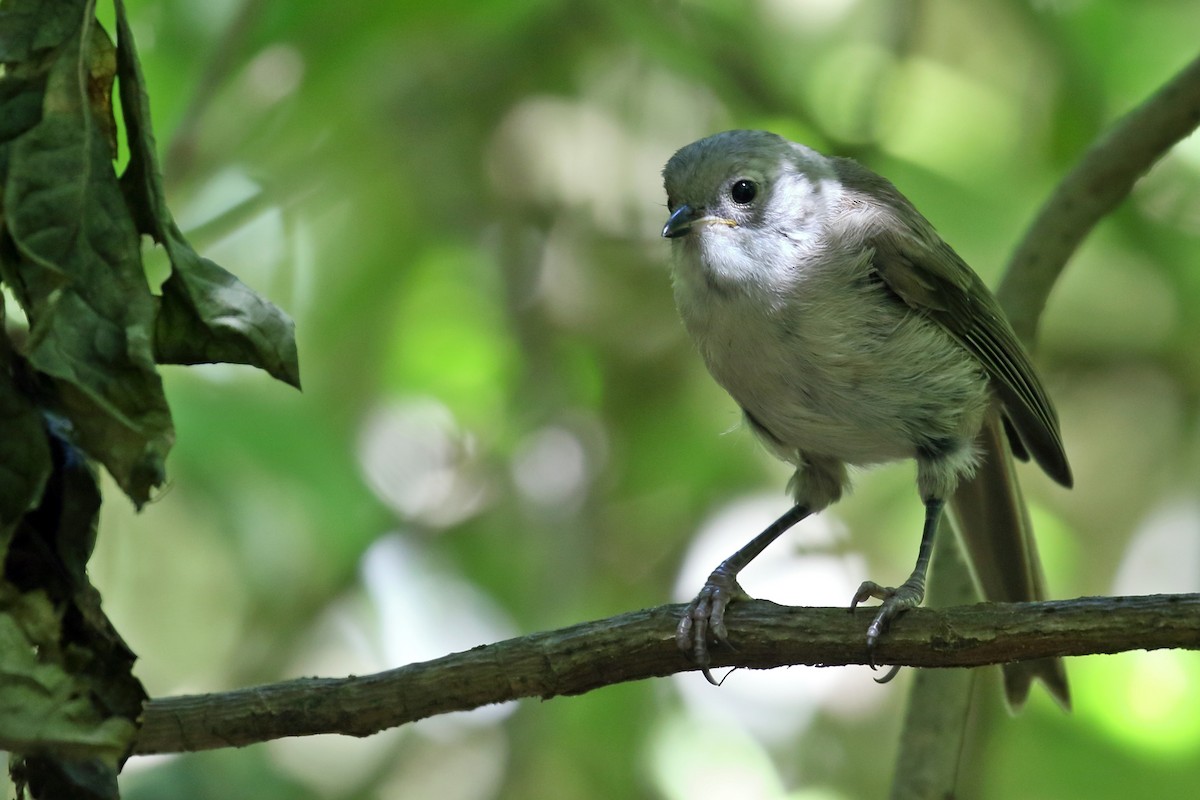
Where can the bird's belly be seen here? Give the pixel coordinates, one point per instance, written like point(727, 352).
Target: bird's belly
point(851, 392)
point(846, 425)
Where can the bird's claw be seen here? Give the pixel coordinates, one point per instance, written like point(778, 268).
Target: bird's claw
point(896, 600)
point(704, 617)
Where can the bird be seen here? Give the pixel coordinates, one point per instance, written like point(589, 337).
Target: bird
point(850, 334)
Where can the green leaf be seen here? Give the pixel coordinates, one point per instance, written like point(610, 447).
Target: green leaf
point(206, 314)
point(68, 698)
point(20, 105)
point(30, 26)
point(79, 274)
point(42, 706)
point(78, 779)
point(24, 454)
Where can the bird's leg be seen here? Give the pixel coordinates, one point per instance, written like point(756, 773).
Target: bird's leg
point(706, 613)
point(908, 594)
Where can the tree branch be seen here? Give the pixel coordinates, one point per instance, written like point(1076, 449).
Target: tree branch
point(641, 645)
point(1098, 183)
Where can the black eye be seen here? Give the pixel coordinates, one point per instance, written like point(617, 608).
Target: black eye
point(743, 191)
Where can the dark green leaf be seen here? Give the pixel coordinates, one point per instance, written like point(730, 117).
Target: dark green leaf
point(42, 705)
point(24, 454)
point(53, 777)
point(20, 105)
point(28, 26)
point(206, 315)
point(80, 275)
point(68, 698)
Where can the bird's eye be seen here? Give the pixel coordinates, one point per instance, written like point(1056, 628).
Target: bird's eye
point(743, 191)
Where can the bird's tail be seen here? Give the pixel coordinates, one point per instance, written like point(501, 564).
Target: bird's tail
point(990, 514)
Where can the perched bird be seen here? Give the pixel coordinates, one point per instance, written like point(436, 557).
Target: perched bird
point(849, 333)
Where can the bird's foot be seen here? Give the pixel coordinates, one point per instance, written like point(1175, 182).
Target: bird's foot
point(705, 616)
point(895, 602)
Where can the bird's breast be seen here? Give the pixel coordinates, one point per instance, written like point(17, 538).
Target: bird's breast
point(833, 366)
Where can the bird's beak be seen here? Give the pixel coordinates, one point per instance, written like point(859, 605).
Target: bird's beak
point(685, 217)
point(681, 221)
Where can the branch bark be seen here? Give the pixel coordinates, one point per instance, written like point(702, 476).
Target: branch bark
point(641, 645)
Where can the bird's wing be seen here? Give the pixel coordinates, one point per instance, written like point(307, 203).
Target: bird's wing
point(932, 279)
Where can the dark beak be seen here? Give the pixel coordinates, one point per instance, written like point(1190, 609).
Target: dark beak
point(681, 221)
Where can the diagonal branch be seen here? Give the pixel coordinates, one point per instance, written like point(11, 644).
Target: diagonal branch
point(1097, 184)
point(641, 645)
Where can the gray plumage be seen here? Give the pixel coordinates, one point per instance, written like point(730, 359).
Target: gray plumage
point(845, 328)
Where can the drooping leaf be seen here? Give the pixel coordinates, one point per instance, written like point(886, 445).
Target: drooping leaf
point(30, 26)
point(20, 104)
point(42, 706)
point(24, 454)
point(68, 698)
point(206, 314)
point(80, 273)
point(83, 374)
point(53, 777)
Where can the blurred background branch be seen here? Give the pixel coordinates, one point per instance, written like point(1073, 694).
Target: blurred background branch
point(1102, 179)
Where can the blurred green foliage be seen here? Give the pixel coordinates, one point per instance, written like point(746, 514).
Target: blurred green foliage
point(504, 429)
